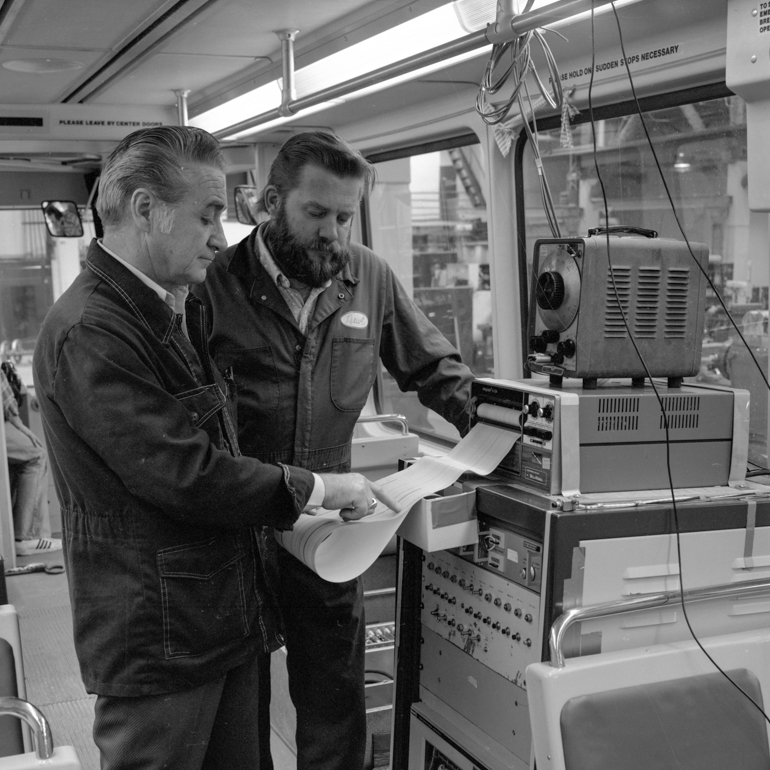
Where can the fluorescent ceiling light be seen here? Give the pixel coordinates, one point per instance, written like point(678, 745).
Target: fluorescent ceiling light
point(428, 31)
point(477, 14)
point(262, 99)
point(355, 95)
point(607, 8)
point(279, 121)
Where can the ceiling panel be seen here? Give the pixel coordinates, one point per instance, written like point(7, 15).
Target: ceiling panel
point(76, 24)
point(157, 77)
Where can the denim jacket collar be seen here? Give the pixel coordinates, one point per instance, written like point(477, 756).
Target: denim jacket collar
point(142, 300)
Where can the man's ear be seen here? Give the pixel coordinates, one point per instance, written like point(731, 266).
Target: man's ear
point(272, 199)
point(142, 203)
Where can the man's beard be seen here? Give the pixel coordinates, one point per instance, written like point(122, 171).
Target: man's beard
point(296, 258)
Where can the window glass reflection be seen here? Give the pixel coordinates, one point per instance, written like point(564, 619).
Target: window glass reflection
point(35, 268)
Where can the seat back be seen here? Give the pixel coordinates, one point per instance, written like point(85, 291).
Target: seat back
point(12, 681)
point(664, 707)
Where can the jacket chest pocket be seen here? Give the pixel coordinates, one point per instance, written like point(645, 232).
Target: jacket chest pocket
point(201, 403)
point(204, 596)
point(352, 372)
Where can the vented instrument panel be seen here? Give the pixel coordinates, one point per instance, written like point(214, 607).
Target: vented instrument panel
point(618, 436)
point(616, 307)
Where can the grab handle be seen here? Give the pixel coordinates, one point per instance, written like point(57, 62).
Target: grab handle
point(41, 731)
point(645, 602)
point(399, 418)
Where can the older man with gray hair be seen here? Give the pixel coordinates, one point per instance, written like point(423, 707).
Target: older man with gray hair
point(163, 518)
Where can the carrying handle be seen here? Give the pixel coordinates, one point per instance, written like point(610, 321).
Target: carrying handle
point(613, 229)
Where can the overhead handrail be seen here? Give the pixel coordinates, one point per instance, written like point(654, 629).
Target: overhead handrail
point(562, 624)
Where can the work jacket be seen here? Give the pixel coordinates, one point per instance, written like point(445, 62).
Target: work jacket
point(298, 396)
point(162, 516)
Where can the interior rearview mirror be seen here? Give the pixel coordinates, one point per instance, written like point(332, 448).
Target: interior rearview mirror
point(246, 204)
point(62, 219)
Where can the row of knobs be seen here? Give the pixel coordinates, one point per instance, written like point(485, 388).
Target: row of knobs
point(487, 597)
point(476, 614)
point(534, 409)
point(538, 343)
point(469, 632)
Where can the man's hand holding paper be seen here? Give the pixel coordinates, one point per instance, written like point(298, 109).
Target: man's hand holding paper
point(354, 495)
point(341, 550)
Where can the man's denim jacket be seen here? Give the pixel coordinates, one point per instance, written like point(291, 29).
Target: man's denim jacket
point(163, 518)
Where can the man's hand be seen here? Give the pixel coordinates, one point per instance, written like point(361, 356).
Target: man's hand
point(354, 495)
point(17, 422)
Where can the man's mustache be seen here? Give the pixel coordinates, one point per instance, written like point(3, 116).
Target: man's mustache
point(325, 247)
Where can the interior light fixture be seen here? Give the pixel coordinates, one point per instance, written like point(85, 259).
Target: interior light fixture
point(262, 99)
point(602, 9)
point(474, 15)
point(42, 66)
point(430, 30)
point(241, 135)
point(477, 14)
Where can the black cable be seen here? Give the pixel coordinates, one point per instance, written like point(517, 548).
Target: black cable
point(657, 394)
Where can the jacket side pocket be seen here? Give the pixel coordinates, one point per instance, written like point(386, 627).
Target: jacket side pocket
point(203, 594)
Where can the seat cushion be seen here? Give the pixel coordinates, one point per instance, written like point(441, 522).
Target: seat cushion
point(696, 723)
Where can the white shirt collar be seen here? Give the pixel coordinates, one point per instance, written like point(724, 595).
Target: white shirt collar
point(170, 299)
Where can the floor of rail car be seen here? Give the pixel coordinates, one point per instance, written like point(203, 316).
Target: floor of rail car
point(50, 666)
point(52, 673)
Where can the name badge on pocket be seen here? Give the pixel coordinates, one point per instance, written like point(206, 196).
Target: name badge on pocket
point(355, 320)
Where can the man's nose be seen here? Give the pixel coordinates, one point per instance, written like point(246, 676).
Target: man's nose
point(218, 241)
point(328, 231)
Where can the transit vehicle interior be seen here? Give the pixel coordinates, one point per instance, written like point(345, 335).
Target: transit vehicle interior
point(573, 192)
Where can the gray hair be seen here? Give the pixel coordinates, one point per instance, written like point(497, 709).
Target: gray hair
point(316, 148)
point(157, 159)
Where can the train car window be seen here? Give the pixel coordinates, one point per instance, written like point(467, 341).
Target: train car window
point(35, 268)
point(427, 216)
point(701, 147)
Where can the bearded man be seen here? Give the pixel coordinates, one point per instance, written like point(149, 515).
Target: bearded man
point(301, 319)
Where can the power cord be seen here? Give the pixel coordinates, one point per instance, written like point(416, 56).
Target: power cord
point(520, 66)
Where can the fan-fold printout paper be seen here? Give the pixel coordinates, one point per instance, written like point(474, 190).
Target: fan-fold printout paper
point(338, 550)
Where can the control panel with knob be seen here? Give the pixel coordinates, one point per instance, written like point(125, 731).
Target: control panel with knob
point(487, 615)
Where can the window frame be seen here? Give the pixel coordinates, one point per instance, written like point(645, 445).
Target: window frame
point(407, 151)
